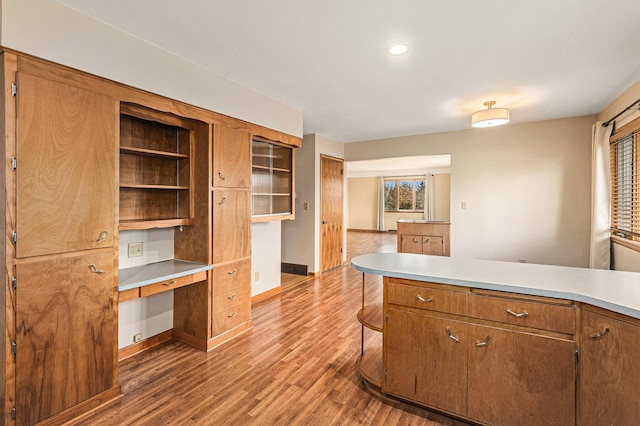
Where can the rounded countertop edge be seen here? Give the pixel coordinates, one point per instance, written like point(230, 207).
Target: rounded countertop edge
point(561, 282)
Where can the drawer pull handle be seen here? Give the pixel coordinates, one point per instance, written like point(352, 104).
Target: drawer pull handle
point(599, 335)
point(423, 300)
point(223, 177)
point(224, 200)
point(451, 336)
point(95, 270)
point(233, 296)
point(426, 240)
point(232, 315)
point(517, 315)
point(415, 240)
point(485, 343)
point(102, 236)
point(235, 271)
point(170, 283)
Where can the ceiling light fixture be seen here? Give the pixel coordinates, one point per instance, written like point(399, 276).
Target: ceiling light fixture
point(398, 49)
point(490, 117)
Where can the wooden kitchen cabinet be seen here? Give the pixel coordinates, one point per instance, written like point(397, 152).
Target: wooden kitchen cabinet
point(231, 157)
point(423, 237)
point(609, 376)
point(272, 181)
point(65, 332)
point(65, 168)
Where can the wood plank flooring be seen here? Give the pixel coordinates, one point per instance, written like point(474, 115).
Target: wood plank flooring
point(296, 366)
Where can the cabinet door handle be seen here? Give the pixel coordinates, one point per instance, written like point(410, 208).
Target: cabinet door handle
point(235, 271)
point(324, 222)
point(95, 270)
point(224, 200)
point(415, 240)
point(599, 335)
point(170, 283)
point(485, 343)
point(102, 236)
point(426, 241)
point(223, 177)
point(232, 315)
point(518, 315)
point(233, 296)
point(423, 300)
point(451, 336)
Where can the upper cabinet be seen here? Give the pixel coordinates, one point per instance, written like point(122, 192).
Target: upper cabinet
point(156, 176)
point(272, 181)
point(231, 157)
point(65, 168)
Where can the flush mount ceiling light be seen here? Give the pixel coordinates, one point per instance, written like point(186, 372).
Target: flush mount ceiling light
point(398, 49)
point(490, 117)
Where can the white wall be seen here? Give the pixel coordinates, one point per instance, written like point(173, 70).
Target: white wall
point(265, 256)
point(301, 237)
point(527, 187)
point(51, 30)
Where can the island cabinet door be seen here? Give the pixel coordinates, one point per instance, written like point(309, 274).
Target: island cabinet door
point(411, 244)
point(65, 334)
point(426, 360)
point(609, 374)
point(520, 378)
point(433, 245)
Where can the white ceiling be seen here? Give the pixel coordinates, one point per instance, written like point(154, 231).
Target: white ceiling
point(543, 59)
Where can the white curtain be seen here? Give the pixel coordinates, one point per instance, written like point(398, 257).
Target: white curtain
point(381, 204)
point(600, 252)
point(429, 198)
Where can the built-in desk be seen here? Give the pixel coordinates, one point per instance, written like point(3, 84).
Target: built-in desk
point(154, 278)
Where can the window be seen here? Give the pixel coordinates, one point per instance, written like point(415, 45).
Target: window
point(405, 194)
point(625, 182)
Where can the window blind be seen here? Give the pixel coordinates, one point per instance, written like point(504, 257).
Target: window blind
point(625, 182)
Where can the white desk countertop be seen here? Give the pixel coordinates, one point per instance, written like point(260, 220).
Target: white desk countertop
point(617, 291)
point(152, 273)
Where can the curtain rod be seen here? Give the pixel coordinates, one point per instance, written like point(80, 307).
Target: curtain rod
point(606, 123)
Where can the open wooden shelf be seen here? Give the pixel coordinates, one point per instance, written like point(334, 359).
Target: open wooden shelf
point(369, 365)
point(371, 316)
point(272, 181)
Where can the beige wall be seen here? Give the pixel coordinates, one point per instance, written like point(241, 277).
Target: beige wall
point(526, 187)
point(363, 204)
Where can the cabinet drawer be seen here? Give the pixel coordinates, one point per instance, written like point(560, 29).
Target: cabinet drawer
point(523, 312)
point(231, 318)
point(231, 276)
point(166, 285)
point(225, 301)
point(427, 298)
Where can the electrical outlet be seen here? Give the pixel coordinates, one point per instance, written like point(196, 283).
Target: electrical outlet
point(137, 338)
point(306, 206)
point(135, 249)
point(257, 276)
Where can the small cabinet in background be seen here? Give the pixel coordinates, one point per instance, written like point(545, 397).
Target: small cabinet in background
point(423, 237)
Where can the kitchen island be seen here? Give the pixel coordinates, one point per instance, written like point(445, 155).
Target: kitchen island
point(504, 343)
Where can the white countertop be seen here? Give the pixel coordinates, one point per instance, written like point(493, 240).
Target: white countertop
point(617, 291)
point(152, 273)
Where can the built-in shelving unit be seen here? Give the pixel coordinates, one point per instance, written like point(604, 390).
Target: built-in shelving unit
point(272, 181)
point(155, 170)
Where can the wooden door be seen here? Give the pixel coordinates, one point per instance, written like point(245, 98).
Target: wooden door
point(231, 225)
point(433, 245)
point(609, 375)
point(66, 168)
point(426, 360)
point(231, 157)
point(411, 244)
point(65, 334)
point(520, 378)
point(331, 216)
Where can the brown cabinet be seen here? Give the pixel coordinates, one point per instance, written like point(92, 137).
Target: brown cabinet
point(66, 327)
point(231, 157)
point(609, 376)
point(494, 358)
point(422, 237)
point(65, 168)
point(272, 176)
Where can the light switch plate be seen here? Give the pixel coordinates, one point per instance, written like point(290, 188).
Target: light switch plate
point(135, 249)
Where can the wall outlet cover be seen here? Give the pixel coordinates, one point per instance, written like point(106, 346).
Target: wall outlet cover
point(135, 249)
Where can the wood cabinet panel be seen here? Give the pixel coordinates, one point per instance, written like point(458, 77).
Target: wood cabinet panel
point(231, 276)
point(168, 285)
point(520, 378)
point(427, 298)
point(433, 245)
point(410, 244)
point(231, 318)
point(231, 157)
point(66, 331)
point(231, 225)
point(426, 360)
point(526, 313)
point(231, 299)
point(66, 174)
point(609, 375)
point(421, 237)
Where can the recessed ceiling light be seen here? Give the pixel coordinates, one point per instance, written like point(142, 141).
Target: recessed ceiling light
point(398, 49)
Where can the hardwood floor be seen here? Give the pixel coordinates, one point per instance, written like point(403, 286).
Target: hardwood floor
point(295, 367)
